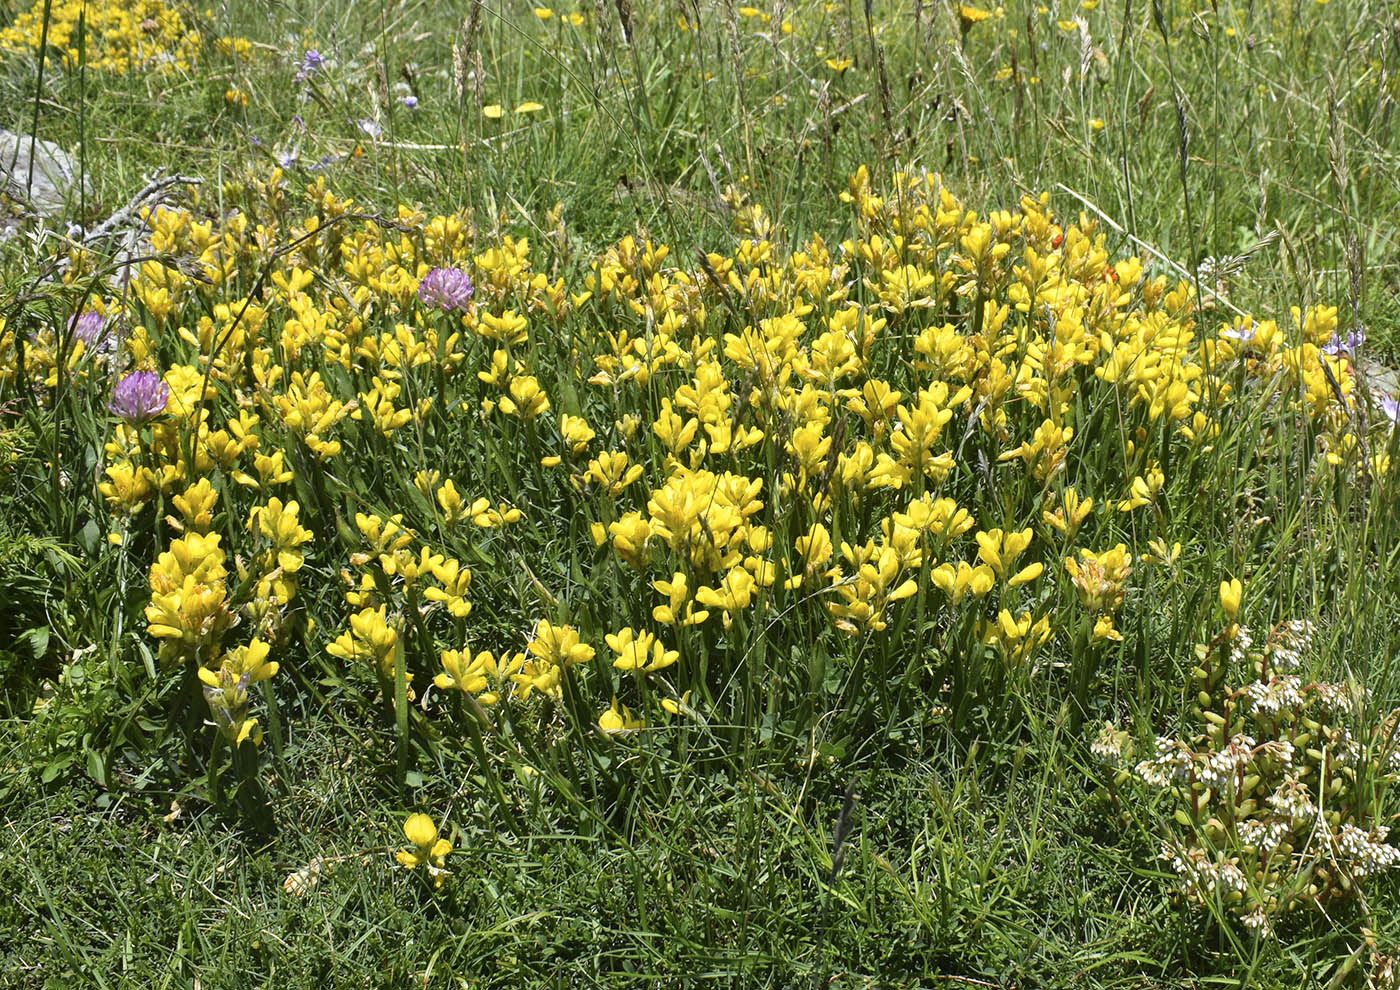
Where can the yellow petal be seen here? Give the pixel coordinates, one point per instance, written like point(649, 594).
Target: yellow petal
point(420, 830)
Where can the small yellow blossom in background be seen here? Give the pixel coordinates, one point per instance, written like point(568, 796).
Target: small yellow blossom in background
point(839, 65)
point(235, 97)
point(544, 13)
point(427, 849)
point(493, 111)
point(529, 106)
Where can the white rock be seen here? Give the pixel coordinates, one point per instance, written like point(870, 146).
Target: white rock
point(45, 182)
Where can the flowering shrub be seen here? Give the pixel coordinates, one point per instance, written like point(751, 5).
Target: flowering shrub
point(1277, 795)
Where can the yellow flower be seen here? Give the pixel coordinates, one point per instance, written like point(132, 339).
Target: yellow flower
point(279, 525)
point(611, 470)
point(493, 111)
point(370, 637)
point(969, 15)
point(472, 674)
point(618, 719)
point(196, 506)
point(559, 644)
point(1230, 592)
point(427, 849)
point(529, 106)
point(639, 651)
point(1099, 577)
point(679, 706)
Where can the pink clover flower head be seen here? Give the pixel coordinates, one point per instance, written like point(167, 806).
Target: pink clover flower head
point(447, 289)
point(139, 397)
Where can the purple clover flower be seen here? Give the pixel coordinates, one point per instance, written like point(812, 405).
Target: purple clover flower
point(410, 102)
point(447, 289)
point(1335, 346)
point(138, 397)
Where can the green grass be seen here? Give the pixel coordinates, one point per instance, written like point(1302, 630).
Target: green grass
point(986, 853)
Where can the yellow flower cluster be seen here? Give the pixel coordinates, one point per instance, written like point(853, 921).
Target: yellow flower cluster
point(122, 36)
point(894, 427)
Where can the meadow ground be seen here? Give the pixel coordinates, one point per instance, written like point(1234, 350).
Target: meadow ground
point(683, 494)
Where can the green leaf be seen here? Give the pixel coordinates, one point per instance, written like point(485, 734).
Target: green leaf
point(37, 639)
point(96, 768)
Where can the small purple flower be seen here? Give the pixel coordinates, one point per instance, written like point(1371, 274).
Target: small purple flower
point(1391, 408)
point(99, 340)
point(87, 326)
point(1244, 334)
point(310, 64)
point(372, 128)
point(1335, 346)
point(410, 102)
point(138, 397)
point(446, 289)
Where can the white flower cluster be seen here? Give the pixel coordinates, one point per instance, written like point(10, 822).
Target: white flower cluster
point(1293, 800)
point(1108, 747)
point(1259, 921)
point(1172, 761)
point(1263, 836)
point(1288, 642)
point(1367, 852)
point(1336, 698)
point(1239, 648)
point(1273, 696)
point(1217, 769)
point(1201, 875)
point(1280, 749)
point(1345, 751)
